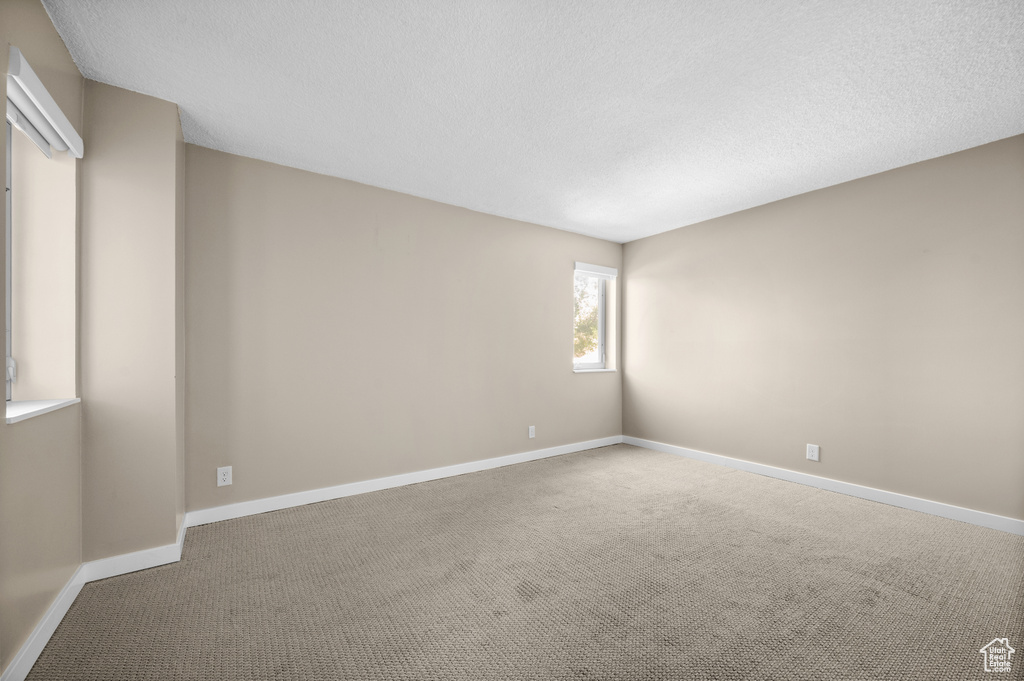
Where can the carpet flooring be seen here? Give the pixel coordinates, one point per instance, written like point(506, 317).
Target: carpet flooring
point(615, 563)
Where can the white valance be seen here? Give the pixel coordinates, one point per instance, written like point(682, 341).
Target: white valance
point(597, 270)
point(31, 109)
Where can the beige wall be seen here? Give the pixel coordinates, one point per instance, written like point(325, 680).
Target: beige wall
point(40, 520)
point(129, 298)
point(337, 332)
point(882, 319)
point(44, 271)
point(40, 503)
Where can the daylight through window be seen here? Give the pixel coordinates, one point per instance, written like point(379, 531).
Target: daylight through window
point(590, 311)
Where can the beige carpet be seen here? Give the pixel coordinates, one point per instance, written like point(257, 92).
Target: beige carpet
point(617, 563)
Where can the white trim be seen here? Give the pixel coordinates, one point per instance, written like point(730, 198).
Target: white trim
point(21, 122)
point(132, 562)
point(162, 555)
point(26, 409)
point(30, 650)
point(33, 100)
point(593, 371)
point(966, 515)
point(597, 270)
point(181, 536)
point(10, 366)
point(246, 508)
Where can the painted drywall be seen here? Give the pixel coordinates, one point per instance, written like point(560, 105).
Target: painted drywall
point(44, 271)
point(128, 312)
point(40, 502)
point(882, 319)
point(40, 520)
point(337, 332)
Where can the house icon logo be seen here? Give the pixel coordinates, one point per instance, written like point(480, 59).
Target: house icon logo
point(997, 655)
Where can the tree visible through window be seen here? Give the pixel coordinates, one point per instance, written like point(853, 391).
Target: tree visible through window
point(590, 285)
point(586, 309)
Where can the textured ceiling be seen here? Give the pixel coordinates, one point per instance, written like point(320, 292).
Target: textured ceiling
point(616, 119)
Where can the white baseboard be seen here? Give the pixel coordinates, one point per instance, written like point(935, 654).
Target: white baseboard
point(967, 515)
point(245, 508)
point(29, 652)
point(132, 562)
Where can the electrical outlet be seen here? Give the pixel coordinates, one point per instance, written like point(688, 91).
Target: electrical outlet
point(223, 476)
point(533, 431)
point(812, 452)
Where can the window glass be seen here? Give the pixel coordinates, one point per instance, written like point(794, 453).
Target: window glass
point(587, 312)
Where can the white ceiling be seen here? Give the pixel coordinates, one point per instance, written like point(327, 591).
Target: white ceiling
point(619, 119)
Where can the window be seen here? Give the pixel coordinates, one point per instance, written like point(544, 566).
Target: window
point(9, 367)
point(41, 241)
point(590, 316)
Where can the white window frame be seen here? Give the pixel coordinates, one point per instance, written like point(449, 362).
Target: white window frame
point(9, 366)
point(603, 274)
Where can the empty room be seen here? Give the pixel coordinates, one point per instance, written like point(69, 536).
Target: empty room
point(471, 340)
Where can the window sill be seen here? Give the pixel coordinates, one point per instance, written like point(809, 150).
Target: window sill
point(593, 371)
point(20, 411)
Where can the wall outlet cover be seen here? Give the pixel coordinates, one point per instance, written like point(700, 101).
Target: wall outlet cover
point(223, 476)
point(813, 452)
